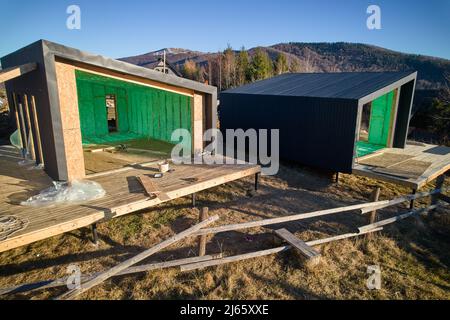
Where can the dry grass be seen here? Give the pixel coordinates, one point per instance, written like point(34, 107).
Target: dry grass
point(414, 255)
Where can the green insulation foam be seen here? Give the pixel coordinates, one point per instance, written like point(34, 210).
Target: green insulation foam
point(364, 148)
point(142, 112)
point(380, 119)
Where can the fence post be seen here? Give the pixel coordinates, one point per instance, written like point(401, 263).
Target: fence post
point(373, 215)
point(202, 238)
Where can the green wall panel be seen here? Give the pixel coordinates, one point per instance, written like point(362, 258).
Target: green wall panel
point(141, 111)
point(380, 119)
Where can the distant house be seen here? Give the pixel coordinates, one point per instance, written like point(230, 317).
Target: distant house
point(159, 66)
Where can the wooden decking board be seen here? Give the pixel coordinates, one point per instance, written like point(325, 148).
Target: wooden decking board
point(438, 156)
point(123, 191)
point(305, 251)
point(386, 159)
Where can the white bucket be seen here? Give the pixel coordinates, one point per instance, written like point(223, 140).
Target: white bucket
point(164, 167)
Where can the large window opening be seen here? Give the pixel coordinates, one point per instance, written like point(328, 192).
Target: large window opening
point(111, 111)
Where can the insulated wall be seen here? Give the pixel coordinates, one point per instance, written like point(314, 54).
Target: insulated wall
point(142, 111)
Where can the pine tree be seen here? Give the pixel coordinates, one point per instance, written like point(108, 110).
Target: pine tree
point(281, 65)
point(242, 68)
point(294, 66)
point(262, 67)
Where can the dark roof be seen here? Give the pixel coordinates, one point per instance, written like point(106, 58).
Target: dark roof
point(346, 85)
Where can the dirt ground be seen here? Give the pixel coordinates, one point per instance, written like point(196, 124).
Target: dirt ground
point(414, 254)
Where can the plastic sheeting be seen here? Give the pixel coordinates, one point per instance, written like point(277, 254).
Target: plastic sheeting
point(65, 193)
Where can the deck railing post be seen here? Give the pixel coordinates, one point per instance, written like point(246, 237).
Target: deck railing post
point(94, 234)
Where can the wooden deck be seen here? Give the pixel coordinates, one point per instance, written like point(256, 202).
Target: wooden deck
point(438, 158)
point(124, 194)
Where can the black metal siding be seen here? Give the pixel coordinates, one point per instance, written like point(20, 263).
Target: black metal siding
point(35, 83)
point(318, 132)
point(403, 114)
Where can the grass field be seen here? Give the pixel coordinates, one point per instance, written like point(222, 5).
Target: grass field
point(414, 254)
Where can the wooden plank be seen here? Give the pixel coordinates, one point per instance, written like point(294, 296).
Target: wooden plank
point(37, 130)
point(151, 189)
point(128, 263)
point(47, 284)
point(311, 255)
point(16, 114)
point(184, 191)
point(30, 128)
point(394, 219)
point(403, 199)
point(241, 257)
point(295, 217)
point(21, 126)
point(14, 72)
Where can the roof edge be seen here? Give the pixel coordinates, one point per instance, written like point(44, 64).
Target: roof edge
point(69, 53)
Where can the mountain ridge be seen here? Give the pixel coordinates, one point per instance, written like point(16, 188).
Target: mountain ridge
point(433, 72)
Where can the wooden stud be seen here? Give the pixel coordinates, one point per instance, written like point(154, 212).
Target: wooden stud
point(16, 114)
point(21, 127)
point(71, 294)
point(202, 238)
point(37, 130)
point(257, 181)
point(30, 128)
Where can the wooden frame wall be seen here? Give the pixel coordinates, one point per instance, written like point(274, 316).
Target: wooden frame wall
point(70, 123)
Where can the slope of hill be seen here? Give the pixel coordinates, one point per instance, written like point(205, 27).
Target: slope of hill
point(326, 57)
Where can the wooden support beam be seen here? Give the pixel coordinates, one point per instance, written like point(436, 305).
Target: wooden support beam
point(411, 203)
point(394, 219)
point(301, 216)
point(30, 148)
point(37, 130)
point(311, 256)
point(14, 72)
point(20, 123)
point(61, 282)
point(245, 256)
point(389, 203)
point(202, 238)
point(71, 294)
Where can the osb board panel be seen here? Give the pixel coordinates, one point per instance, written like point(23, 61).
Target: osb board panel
point(411, 169)
point(197, 123)
point(438, 156)
point(70, 118)
point(385, 159)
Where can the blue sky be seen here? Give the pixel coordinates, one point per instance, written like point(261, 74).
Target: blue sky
point(124, 28)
